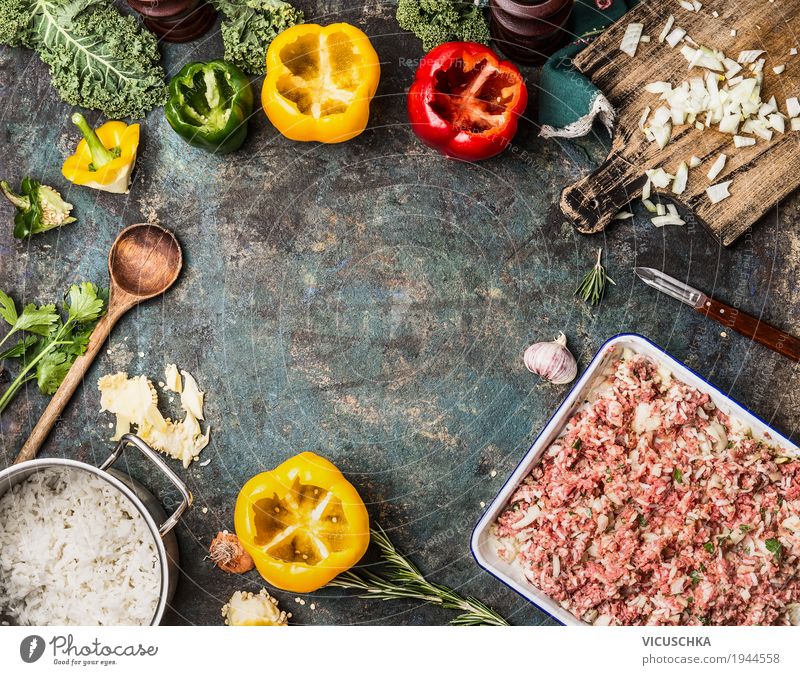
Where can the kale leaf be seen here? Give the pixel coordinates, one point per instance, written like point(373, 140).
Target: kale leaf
point(438, 21)
point(248, 27)
point(98, 57)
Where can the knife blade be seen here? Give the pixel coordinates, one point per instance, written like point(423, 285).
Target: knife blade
point(671, 286)
point(730, 317)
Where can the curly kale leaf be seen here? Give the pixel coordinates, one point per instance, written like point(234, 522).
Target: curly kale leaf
point(98, 57)
point(438, 21)
point(248, 26)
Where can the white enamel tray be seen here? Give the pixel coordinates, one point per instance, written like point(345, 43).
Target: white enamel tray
point(481, 546)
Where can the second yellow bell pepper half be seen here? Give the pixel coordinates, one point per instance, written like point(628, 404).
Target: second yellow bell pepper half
point(104, 159)
point(303, 523)
point(320, 81)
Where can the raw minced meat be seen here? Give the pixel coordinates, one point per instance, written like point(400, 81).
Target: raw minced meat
point(654, 507)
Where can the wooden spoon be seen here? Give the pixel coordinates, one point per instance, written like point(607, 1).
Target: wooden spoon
point(144, 261)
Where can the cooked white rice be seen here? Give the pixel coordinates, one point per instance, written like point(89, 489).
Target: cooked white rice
point(75, 551)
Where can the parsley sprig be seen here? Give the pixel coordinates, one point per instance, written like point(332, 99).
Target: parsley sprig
point(50, 343)
point(404, 580)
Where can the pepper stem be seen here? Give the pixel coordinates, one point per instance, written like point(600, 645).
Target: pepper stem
point(17, 200)
point(101, 155)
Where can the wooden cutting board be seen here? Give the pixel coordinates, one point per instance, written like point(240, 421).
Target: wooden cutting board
point(762, 174)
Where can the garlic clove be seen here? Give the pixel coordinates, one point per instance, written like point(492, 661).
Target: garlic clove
point(552, 361)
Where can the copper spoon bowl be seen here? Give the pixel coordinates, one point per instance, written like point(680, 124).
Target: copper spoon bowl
point(144, 261)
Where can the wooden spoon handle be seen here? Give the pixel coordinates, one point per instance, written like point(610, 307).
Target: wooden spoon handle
point(751, 327)
point(593, 201)
point(69, 385)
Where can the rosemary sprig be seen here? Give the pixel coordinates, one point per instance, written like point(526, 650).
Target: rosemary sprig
point(593, 286)
point(404, 580)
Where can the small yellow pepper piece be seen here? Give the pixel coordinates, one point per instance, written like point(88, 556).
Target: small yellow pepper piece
point(320, 81)
point(303, 523)
point(104, 159)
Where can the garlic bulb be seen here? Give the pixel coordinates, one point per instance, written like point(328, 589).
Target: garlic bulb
point(552, 361)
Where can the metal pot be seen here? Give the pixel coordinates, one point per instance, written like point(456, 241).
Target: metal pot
point(158, 523)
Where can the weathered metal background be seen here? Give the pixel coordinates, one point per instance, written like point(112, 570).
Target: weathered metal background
point(369, 301)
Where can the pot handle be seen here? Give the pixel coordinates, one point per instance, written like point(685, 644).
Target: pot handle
point(151, 454)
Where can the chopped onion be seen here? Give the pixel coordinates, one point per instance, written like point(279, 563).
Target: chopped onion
point(793, 51)
point(675, 36)
point(716, 193)
point(743, 141)
point(659, 178)
point(646, 190)
point(662, 134)
point(658, 88)
point(660, 221)
point(729, 124)
point(672, 209)
point(687, 5)
point(623, 215)
point(630, 41)
point(717, 166)
point(796, 124)
point(779, 69)
point(697, 6)
point(667, 28)
point(793, 107)
point(777, 122)
point(694, 162)
point(681, 178)
point(750, 55)
point(660, 210)
point(649, 205)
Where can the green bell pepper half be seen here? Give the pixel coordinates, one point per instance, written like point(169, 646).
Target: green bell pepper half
point(209, 105)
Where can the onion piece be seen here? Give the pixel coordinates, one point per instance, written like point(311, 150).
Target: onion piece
point(743, 141)
point(777, 122)
point(660, 210)
point(667, 28)
point(729, 124)
point(672, 209)
point(660, 221)
point(659, 178)
point(749, 55)
point(630, 41)
point(793, 107)
point(623, 215)
point(716, 193)
point(694, 162)
point(779, 69)
point(675, 36)
point(717, 166)
point(795, 124)
point(649, 205)
point(681, 178)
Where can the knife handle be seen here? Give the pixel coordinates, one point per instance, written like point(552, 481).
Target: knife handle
point(752, 328)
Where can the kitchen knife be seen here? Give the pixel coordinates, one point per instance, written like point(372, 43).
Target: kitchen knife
point(728, 316)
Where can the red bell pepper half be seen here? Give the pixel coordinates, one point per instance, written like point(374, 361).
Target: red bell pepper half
point(465, 101)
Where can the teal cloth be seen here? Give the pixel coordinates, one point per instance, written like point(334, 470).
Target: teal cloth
point(566, 96)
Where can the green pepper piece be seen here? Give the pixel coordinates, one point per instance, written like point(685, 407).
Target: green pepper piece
point(209, 105)
point(39, 208)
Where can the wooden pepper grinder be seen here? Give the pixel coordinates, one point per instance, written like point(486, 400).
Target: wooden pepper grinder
point(529, 30)
point(176, 20)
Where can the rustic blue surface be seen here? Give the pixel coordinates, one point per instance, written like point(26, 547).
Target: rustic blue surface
point(369, 301)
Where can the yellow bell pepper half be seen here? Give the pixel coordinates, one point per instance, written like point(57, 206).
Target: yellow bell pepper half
point(303, 523)
point(320, 81)
point(105, 157)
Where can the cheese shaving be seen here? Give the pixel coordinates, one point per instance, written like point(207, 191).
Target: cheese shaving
point(135, 403)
